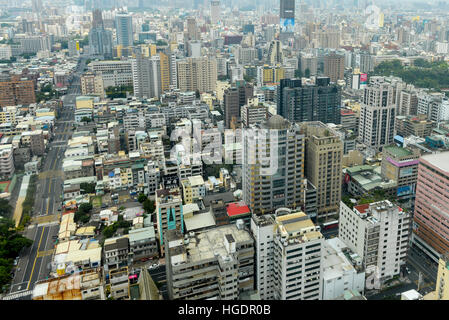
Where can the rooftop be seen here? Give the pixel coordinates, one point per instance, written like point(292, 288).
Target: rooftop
point(398, 151)
point(439, 160)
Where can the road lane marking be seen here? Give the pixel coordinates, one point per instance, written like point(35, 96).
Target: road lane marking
point(18, 295)
point(35, 259)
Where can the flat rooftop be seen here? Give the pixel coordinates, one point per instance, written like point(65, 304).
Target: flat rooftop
point(439, 160)
point(204, 245)
point(398, 151)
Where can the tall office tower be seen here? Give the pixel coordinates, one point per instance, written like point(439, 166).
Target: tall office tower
point(197, 74)
point(288, 256)
point(124, 28)
point(334, 67)
point(323, 165)
point(97, 19)
point(272, 177)
point(215, 11)
point(377, 114)
point(318, 102)
point(308, 62)
point(275, 55)
point(100, 42)
point(234, 98)
point(169, 213)
point(430, 228)
point(287, 19)
point(379, 233)
point(37, 6)
point(146, 76)
point(192, 29)
point(215, 264)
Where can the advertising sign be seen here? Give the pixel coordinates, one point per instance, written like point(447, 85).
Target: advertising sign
point(402, 191)
point(287, 25)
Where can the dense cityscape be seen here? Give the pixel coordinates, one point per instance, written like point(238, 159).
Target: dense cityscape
point(224, 150)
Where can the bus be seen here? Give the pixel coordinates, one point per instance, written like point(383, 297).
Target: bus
point(329, 225)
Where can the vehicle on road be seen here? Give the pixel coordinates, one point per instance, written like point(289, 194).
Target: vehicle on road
point(329, 225)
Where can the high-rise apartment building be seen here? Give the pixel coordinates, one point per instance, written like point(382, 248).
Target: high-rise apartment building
point(334, 67)
point(407, 102)
point(273, 166)
point(13, 93)
point(146, 76)
point(275, 55)
point(197, 74)
point(288, 256)
point(192, 29)
point(92, 84)
point(379, 233)
point(124, 28)
point(430, 227)
point(318, 102)
point(323, 165)
point(435, 105)
point(213, 264)
point(377, 114)
point(234, 98)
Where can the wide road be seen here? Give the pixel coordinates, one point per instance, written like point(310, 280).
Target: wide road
point(34, 263)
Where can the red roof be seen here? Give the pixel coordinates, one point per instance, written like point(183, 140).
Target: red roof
point(362, 207)
point(346, 111)
point(237, 208)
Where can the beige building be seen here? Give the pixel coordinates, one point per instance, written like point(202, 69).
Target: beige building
point(324, 155)
point(86, 285)
point(334, 67)
point(442, 284)
point(92, 84)
point(197, 74)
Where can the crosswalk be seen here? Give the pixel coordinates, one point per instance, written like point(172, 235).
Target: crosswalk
point(18, 295)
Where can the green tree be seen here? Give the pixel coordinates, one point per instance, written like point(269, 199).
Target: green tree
point(11, 243)
point(149, 206)
point(5, 208)
point(86, 119)
point(87, 187)
point(142, 197)
point(307, 73)
point(298, 73)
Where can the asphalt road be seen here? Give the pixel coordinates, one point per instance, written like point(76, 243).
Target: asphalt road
point(34, 262)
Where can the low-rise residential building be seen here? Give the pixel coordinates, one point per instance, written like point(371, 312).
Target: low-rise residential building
point(116, 252)
point(142, 243)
